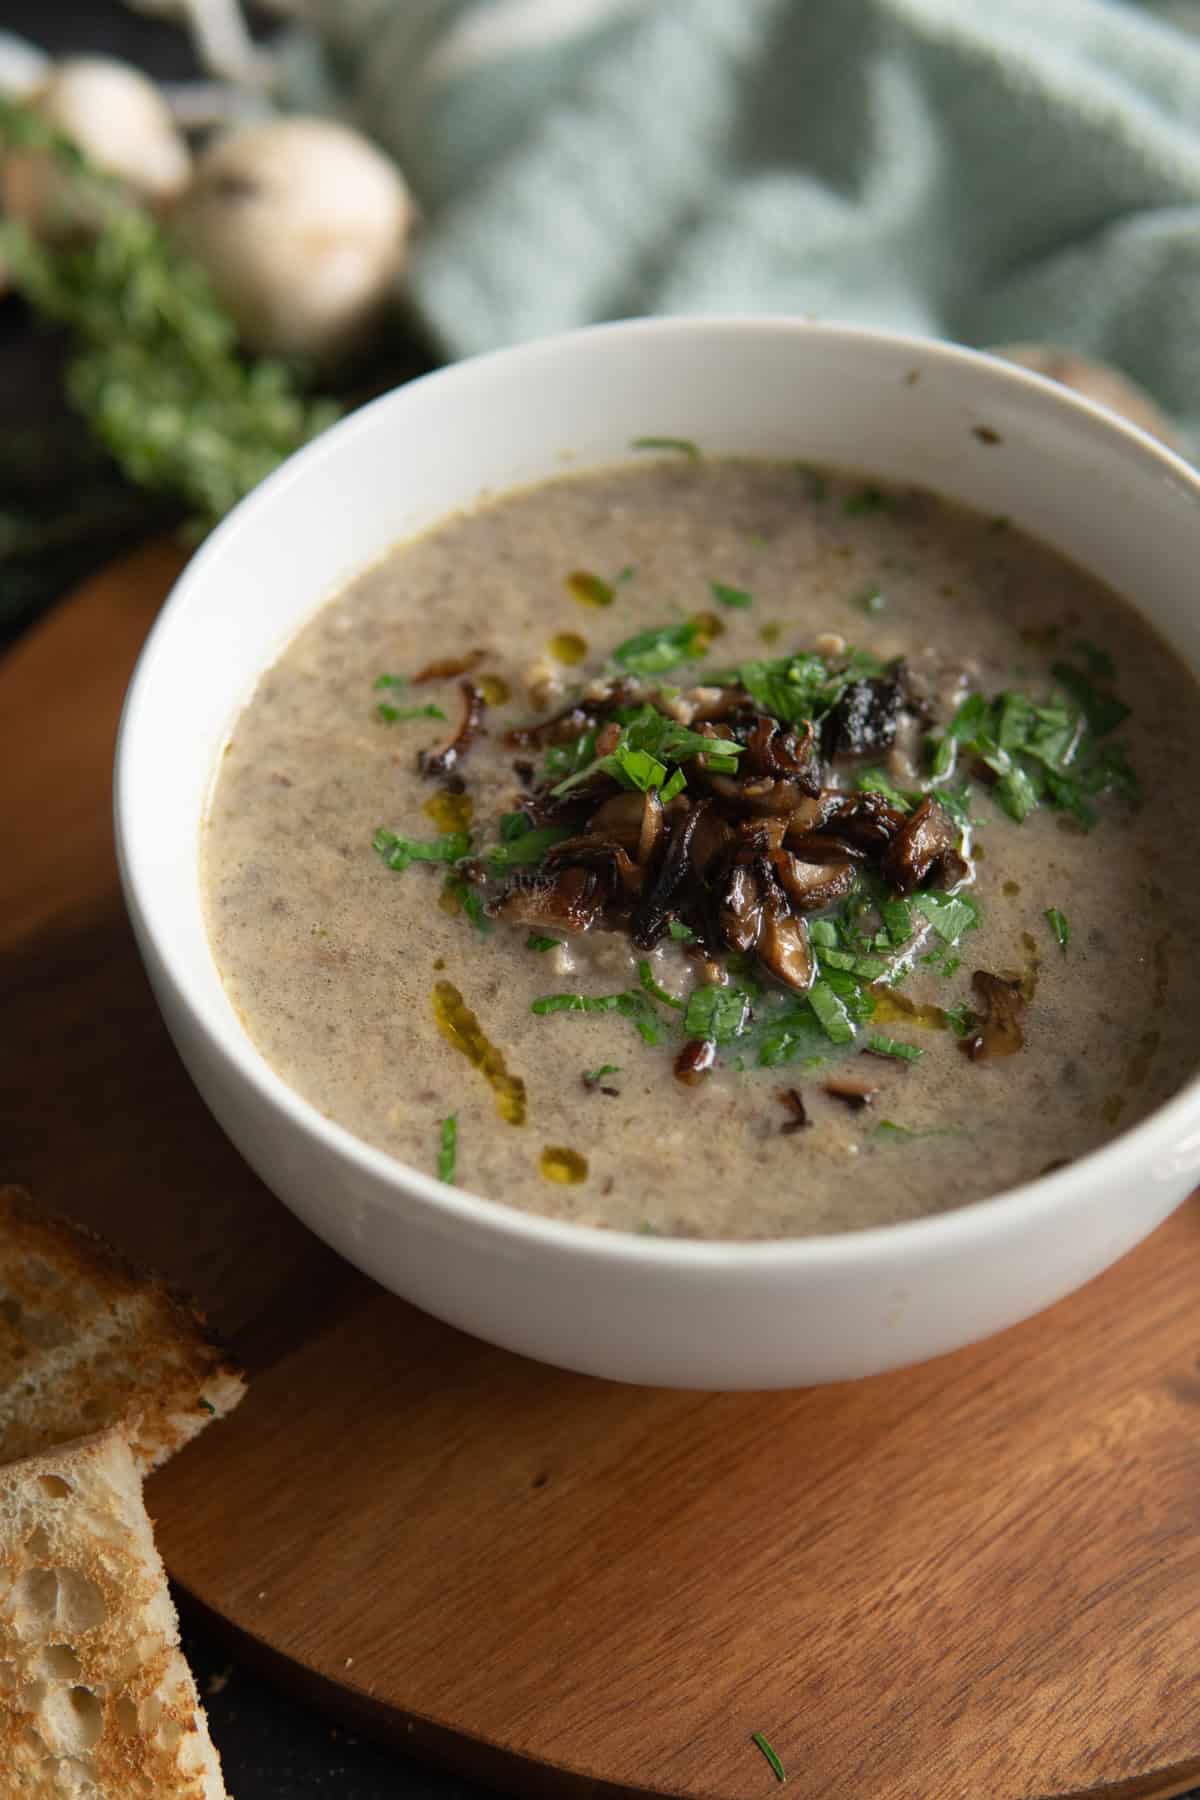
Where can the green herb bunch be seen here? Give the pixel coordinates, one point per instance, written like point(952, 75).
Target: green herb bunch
point(154, 367)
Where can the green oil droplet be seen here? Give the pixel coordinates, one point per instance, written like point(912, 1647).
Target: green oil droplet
point(891, 1007)
point(568, 647)
point(449, 812)
point(459, 1026)
point(588, 589)
point(770, 632)
point(495, 690)
point(563, 1165)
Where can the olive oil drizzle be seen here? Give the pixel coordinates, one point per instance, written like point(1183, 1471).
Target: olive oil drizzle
point(564, 1166)
point(460, 1027)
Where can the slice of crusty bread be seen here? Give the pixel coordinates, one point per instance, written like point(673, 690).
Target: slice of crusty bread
point(96, 1700)
point(87, 1341)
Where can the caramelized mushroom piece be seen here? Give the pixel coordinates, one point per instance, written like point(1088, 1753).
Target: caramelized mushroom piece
point(740, 908)
point(810, 847)
point(695, 1060)
point(852, 1090)
point(442, 762)
point(812, 885)
point(863, 723)
point(710, 837)
point(867, 821)
point(650, 834)
point(596, 851)
point(794, 1102)
point(619, 818)
point(573, 901)
point(448, 666)
point(999, 1030)
point(654, 908)
point(783, 945)
point(776, 750)
point(926, 846)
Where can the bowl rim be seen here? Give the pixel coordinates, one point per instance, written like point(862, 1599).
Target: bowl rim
point(1140, 1147)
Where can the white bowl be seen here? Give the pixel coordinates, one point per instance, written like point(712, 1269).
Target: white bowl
point(710, 1315)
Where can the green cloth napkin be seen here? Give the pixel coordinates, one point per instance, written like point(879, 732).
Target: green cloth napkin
point(981, 170)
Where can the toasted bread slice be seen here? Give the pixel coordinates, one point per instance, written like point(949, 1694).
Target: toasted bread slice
point(96, 1700)
point(88, 1341)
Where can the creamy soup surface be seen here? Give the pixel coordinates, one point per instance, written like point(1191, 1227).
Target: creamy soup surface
point(332, 958)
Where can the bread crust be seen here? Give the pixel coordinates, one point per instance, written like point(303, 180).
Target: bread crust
point(96, 1699)
point(87, 1340)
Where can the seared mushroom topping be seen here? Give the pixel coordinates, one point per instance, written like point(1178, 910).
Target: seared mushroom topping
point(783, 945)
point(852, 1091)
point(796, 1107)
point(812, 886)
point(927, 845)
point(695, 1060)
point(572, 901)
point(442, 762)
point(863, 722)
point(998, 1031)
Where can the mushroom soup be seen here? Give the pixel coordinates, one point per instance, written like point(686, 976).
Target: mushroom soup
point(718, 848)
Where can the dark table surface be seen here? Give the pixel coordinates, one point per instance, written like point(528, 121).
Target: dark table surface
point(272, 1747)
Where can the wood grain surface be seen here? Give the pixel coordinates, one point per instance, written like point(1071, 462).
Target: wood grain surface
point(979, 1578)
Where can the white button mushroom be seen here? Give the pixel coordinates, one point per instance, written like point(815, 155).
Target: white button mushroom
point(302, 227)
point(122, 124)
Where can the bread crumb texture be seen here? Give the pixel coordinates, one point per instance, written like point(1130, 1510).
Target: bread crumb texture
point(96, 1700)
point(88, 1341)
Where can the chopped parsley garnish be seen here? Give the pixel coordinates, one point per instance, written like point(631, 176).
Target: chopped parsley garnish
point(874, 781)
point(795, 688)
point(718, 1013)
point(569, 759)
point(536, 942)
point(1059, 925)
point(1103, 711)
point(390, 681)
point(448, 1149)
point(646, 977)
point(684, 446)
point(469, 900)
point(949, 914)
point(398, 852)
point(831, 1011)
point(648, 743)
point(683, 934)
point(400, 715)
point(737, 598)
point(890, 1046)
point(777, 1768)
point(897, 920)
point(526, 847)
point(867, 500)
point(595, 1075)
point(662, 647)
point(633, 1006)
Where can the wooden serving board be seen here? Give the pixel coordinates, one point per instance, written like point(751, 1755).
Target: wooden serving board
point(979, 1578)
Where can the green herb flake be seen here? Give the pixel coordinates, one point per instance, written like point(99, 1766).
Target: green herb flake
point(684, 446)
point(867, 500)
point(719, 1013)
point(526, 848)
point(448, 1149)
point(777, 1768)
point(683, 934)
point(646, 977)
point(890, 1046)
point(875, 781)
point(949, 914)
point(470, 901)
point(595, 1075)
point(831, 1011)
point(675, 785)
point(662, 647)
point(536, 942)
point(400, 715)
point(737, 598)
point(872, 602)
point(897, 919)
point(398, 852)
point(1103, 711)
point(389, 681)
point(1059, 925)
point(632, 1006)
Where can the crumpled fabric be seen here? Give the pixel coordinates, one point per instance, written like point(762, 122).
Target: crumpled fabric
point(987, 171)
